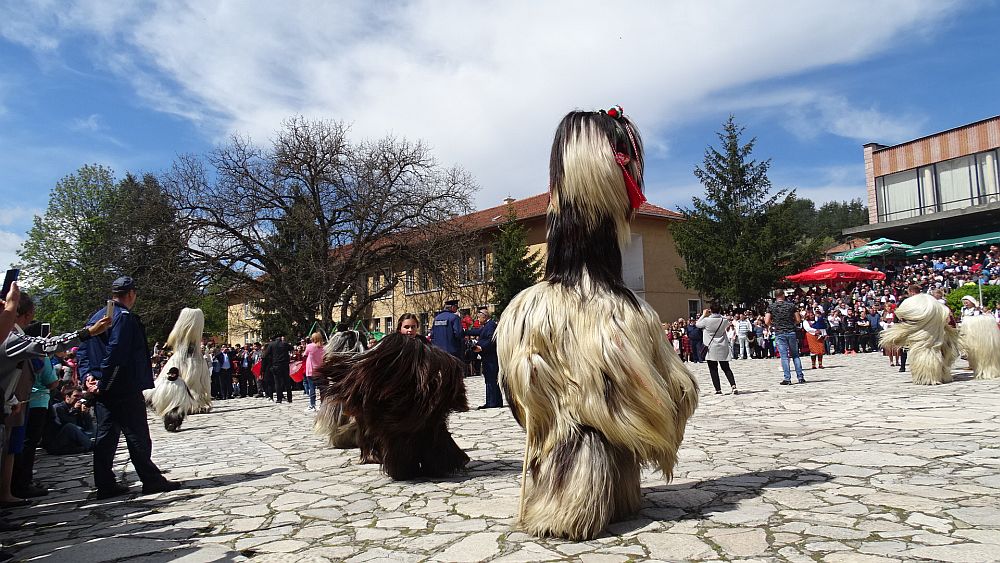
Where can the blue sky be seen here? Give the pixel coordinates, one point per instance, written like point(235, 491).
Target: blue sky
point(132, 84)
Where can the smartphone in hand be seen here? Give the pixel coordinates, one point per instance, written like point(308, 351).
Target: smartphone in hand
point(10, 278)
point(46, 330)
point(110, 313)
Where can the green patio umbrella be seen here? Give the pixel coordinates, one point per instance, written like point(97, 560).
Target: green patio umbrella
point(877, 247)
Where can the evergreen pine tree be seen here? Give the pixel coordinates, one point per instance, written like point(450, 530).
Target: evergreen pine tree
point(742, 238)
point(514, 269)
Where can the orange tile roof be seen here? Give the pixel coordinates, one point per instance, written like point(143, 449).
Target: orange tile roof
point(535, 206)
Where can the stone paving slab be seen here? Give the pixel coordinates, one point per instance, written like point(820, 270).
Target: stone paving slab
point(856, 465)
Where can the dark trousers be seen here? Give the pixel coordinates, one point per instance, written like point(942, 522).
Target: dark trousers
point(225, 383)
point(24, 462)
point(71, 439)
point(713, 370)
point(282, 382)
point(247, 382)
point(491, 373)
point(902, 359)
point(117, 415)
point(267, 385)
point(697, 351)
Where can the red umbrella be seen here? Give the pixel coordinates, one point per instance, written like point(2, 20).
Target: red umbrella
point(834, 271)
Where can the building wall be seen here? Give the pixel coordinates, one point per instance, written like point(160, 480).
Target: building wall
point(924, 158)
point(661, 287)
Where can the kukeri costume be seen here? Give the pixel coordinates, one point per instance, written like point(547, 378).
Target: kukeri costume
point(584, 362)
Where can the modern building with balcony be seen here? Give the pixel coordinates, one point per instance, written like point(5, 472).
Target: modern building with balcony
point(938, 187)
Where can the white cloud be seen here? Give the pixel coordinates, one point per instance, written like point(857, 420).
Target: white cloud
point(483, 83)
point(91, 123)
point(10, 243)
point(17, 215)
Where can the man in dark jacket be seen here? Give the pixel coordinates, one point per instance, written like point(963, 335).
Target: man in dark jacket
point(694, 336)
point(117, 369)
point(487, 349)
point(446, 333)
point(279, 357)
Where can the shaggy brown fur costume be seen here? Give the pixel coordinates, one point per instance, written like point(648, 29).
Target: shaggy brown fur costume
point(400, 394)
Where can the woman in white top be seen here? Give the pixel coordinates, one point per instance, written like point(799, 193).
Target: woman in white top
point(718, 345)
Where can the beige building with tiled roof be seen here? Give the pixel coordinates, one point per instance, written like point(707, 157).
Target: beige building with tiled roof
point(649, 263)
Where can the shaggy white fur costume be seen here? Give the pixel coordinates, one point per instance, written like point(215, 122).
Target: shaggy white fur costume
point(185, 340)
point(341, 431)
point(979, 336)
point(171, 399)
point(922, 326)
point(584, 363)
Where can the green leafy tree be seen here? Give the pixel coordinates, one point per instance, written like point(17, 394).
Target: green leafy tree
point(514, 267)
point(743, 237)
point(96, 229)
point(834, 216)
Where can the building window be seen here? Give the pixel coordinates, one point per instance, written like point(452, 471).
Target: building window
point(896, 195)
point(409, 283)
point(956, 183)
point(989, 181)
point(482, 264)
point(694, 308)
point(375, 325)
point(425, 280)
point(424, 317)
point(389, 325)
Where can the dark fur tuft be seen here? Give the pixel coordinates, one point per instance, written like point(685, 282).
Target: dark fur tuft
point(400, 394)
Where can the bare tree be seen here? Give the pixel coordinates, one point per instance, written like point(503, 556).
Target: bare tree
point(306, 223)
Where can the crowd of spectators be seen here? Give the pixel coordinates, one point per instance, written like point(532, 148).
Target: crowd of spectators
point(850, 315)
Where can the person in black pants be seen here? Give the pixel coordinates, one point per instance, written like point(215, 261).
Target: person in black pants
point(225, 374)
point(279, 354)
point(487, 348)
point(718, 346)
point(116, 368)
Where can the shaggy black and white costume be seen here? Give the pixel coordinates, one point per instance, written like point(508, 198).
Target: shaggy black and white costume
point(583, 361)
point(400, 394)
point(979, 337)
point(192, 391)
point(922, 327)
point(340, 430)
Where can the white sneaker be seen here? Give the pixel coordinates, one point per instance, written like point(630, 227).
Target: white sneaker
point(310, 409)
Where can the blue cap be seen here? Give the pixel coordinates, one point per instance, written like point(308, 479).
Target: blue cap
point(122, 285)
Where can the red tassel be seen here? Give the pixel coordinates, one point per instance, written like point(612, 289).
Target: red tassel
point(635, 196)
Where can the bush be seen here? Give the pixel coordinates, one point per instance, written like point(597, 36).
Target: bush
point(991, 296)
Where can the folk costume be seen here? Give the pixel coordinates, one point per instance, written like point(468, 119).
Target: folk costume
point(399, 394)
point(584, 362)
point(340, 430)
point(922, 326)
point(191, 392)
point(979, 337)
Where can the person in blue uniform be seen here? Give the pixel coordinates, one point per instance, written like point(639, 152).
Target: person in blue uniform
point(446, 333)
point(487, 349)
point(116, 367)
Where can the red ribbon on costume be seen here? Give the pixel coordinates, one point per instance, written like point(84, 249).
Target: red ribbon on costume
point(635, 196)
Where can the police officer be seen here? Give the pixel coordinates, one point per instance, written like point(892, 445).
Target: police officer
point(447, 330)
point(487, 349)
point(116, 367)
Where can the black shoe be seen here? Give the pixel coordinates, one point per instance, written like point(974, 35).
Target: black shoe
point(115, 490)
point(718, 391)
point(901, 369)
point(30, 491)
point(785, 382)
point(164, 486)
point(802, 381)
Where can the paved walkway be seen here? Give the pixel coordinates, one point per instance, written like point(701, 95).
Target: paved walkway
point(856, 465)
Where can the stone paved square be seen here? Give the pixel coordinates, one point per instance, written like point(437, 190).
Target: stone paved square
point(856, 465)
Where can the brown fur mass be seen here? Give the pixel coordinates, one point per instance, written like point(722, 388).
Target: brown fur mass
point(399, 394)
